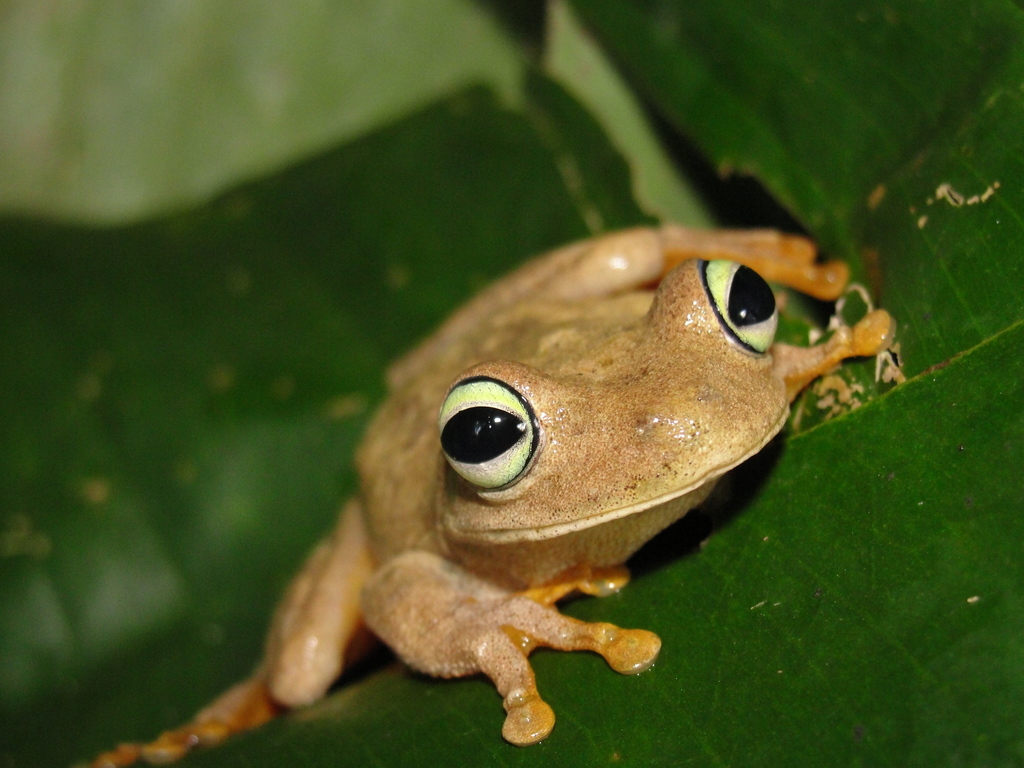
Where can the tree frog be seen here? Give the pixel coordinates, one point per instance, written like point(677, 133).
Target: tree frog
point(528, 448)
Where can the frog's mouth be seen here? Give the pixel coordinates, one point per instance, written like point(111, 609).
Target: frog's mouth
point(555, 530)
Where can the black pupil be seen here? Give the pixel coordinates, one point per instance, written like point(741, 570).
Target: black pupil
point(480, 434)
point(751, 301)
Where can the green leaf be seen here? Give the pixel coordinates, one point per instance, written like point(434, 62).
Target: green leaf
point(111, 111)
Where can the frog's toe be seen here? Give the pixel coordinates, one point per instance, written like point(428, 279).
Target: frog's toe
point(173, 745)
point(873, 334)
point(631, 651)
point(167, 748)
point(529, 719)
point(124, 754)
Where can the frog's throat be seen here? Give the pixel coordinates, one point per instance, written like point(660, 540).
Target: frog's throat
point(519, 535)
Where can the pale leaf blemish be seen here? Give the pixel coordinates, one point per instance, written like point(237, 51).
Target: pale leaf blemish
point(836, 395)
point(89, 387)
point(758, 605)
point(221, 377)
point(946, 192)
point(20, 538)
point(922, 221)
point(887, 365)
point(973, 599)
point(90, 384)
point(397, 276)
point(876, 197)
point(984, 196)
point(345, 407)
point(95, 490)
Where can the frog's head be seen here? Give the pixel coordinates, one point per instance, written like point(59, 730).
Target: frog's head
point(646, 414)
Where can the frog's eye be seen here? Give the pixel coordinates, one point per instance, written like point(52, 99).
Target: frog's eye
point(743, 302)
point(488, 432)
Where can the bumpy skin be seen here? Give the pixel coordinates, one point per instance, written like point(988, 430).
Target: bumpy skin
point(643, 403)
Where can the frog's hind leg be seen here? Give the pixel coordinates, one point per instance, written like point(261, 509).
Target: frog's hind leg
point(445, 622)
point(318, 628)
point(243, 706)
point(778, 257)
point(316, 631)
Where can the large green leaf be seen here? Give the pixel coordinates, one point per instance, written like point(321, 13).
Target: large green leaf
point(181, 399)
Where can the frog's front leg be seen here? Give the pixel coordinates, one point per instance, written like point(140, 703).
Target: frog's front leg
point(799, 366)
point(446, 622)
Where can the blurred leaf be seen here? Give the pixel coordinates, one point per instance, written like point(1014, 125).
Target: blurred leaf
point(109, 111)
point(573, 58)
point(594, 173)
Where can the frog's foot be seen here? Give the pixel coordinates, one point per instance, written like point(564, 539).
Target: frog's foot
point(504, 659)
point(242, 707)
point(444, 621)
point(777, 257)
point(526, 625)
point(123, 754)
point(799, 366)
point(529, 719)
point(599, 582)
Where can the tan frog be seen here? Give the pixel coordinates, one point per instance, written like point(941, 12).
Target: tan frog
point(529, 447)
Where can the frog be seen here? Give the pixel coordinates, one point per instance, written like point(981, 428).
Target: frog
point(527, 449)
